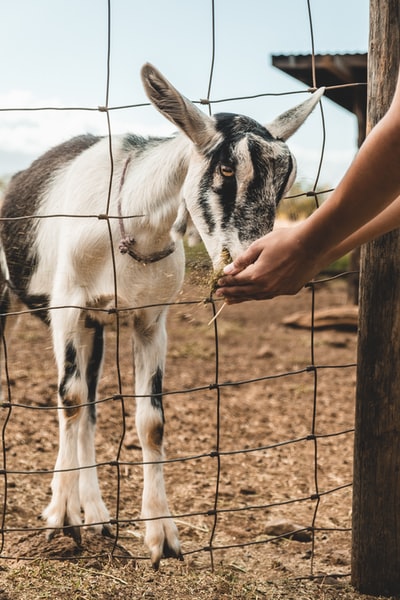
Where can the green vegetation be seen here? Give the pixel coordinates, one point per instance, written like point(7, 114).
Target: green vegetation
point(301, 201)
point(342, 265)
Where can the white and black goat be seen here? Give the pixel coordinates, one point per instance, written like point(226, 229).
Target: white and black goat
point(227, 172)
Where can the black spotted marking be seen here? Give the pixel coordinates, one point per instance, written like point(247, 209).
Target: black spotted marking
point(227, 189)
point(39, 304)
point(277, 171)
point(156, 392)
point(138, 144)
point(235, 127)
point(23, 197)
point(94, 363)
point(131, 142)
point(204, 187)
point(70, 369)
point(256, 216)
point(285, 180)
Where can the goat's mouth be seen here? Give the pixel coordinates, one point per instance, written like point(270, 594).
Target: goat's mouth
point(224, 259)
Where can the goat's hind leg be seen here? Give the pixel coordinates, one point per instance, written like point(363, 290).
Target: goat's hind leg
point(64, 510)
point(72, 475)
point(96, 515)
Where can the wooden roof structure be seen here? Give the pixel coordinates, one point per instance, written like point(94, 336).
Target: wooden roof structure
point(332, 70)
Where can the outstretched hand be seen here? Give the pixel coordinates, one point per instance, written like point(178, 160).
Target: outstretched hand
point(273, 265)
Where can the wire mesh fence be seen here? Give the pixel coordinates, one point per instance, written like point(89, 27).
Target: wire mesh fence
point(231, 380)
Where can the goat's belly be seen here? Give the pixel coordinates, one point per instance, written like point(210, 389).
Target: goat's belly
point(150, 285)
point(92, 284)
point(104, 308)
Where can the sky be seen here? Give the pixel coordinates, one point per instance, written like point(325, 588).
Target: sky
point(54, 53)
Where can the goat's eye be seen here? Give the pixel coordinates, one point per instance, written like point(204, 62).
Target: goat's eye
point(226, 171)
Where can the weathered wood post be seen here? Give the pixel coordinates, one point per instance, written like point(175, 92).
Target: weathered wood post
point(376, 497)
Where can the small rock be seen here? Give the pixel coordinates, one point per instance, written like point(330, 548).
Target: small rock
point(292, 531)
point(248, 492)
point(131, 442)
point(265, 352)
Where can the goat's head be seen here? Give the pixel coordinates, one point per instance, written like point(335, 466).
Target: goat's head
point(238, 171)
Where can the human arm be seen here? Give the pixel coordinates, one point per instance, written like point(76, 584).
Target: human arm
point(387, 220)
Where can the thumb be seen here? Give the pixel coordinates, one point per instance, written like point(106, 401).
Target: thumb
point(244, 260)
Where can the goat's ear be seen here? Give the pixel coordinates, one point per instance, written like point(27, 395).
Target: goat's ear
point(179, 110)
point(289, 122)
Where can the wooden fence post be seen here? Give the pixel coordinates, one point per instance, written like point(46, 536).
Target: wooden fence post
point(376, 494)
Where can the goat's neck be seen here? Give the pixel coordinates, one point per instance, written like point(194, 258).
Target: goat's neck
point(153, 182)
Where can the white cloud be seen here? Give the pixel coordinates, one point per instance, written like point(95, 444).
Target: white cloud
point(31, 132)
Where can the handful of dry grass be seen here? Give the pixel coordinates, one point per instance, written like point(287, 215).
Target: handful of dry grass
point(224, 260)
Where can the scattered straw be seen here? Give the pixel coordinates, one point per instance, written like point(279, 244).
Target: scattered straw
point(217, 314)
point(102, 574)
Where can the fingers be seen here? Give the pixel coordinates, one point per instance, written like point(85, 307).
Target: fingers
point(237, 276)
point(241, 294)
point(238, 285)
point(232, 297)
point(244, 260)
point(234, 294)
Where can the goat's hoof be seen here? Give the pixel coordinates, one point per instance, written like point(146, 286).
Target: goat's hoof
point(104, 529)
point(68, 531)
point(163, 541)
point(51, 534)
point(74, 533)
point(156, 564)
point(107, 532)
point(168, 552)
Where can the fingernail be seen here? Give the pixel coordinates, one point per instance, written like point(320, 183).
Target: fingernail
point(228, 268)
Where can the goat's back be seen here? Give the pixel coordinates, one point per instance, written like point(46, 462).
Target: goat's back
point(53, 236)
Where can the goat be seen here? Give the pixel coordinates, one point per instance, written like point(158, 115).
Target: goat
point(226, 172)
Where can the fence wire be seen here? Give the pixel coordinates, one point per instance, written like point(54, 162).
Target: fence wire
point(14, 408)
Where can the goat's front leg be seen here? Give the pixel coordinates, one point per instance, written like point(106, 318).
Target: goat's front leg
point(161, 532)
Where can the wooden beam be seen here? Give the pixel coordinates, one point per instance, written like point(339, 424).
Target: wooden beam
point(376, 497)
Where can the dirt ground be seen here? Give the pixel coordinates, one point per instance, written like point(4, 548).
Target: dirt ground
point(285, 460)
